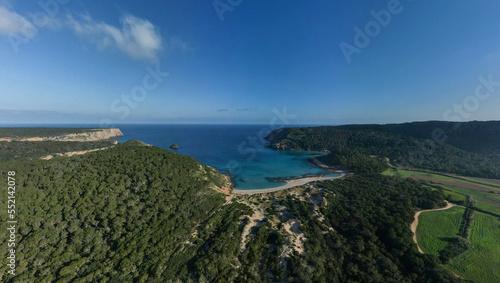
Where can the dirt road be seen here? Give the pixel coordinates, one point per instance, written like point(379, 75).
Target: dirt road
point(415, 222)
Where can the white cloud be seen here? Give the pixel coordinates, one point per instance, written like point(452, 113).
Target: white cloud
point(138, 38)
point(13, 23)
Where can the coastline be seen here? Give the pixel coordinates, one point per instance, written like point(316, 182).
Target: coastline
point(298, 181)
point(290, 184)
point(314, 161)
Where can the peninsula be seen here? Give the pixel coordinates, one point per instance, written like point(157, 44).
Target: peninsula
point(10, 134)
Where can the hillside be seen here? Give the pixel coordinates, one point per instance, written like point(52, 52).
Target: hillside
point(478, 136)
point(116, 213)
point(26, 150)
point(57, 134)
point(144, 214)
point(406, 145)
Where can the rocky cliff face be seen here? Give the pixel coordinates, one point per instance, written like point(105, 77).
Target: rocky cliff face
point(92, 135)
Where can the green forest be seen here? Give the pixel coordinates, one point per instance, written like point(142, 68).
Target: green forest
point(26, 150)
point(116, 213)
point(411, 145)
point(143, 214)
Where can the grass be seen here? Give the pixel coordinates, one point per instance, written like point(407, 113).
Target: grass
point(487, 206)
point(483, 180)
point(436, 228)
point(389, 172)
point(455, 197)
point(482, 262)
point(406, 173)
point(475, 193)
point(457, 192)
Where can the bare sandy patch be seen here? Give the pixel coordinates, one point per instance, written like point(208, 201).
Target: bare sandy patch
point(255, 220)
point(71, 153)
point(292, 227)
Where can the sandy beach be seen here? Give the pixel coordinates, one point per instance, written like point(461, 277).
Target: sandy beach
point(290, 184)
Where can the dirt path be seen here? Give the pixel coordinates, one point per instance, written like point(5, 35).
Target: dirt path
point(255, 220)
point(415, 222)
point(198, 228)
point(71, 153)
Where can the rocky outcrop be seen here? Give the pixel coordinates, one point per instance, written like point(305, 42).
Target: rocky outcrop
point(174, 146)
point(91, 135)
point(136, 143)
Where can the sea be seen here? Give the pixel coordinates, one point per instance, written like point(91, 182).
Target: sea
point(237, 150)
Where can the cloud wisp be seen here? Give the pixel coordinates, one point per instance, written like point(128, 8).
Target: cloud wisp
point(138, 38)
point(13, 23)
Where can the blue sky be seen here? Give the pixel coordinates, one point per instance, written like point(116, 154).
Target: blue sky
point(243, 61)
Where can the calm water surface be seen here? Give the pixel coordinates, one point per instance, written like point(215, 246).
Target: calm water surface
point(235, 149)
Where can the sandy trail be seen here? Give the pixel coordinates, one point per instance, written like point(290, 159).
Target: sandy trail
point(289, 184)
point(415, 222)
point(254, 220)
point(71, 153)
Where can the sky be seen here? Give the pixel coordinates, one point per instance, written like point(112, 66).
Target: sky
point(248, 62)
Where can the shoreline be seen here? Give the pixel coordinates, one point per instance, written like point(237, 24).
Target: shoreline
point(299, 181)
point(290, 184)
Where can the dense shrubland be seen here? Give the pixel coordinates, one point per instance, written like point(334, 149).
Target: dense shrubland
point(16, 150)
point(135, 213)
point(397, 142)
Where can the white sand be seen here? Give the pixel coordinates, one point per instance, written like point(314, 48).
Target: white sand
point(289, 184)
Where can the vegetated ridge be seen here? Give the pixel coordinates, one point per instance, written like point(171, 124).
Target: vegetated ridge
point(362, 148)
point(58, 134)
point(141, 213)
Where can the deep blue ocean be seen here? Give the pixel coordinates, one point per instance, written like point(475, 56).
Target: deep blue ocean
point(234, 149)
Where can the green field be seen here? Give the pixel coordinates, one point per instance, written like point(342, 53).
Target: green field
point(461, 189)
point(459, 195)
point(455, 197)
point(436, 228)
point(485, 181)
point(474, 193)
point(487, 206)
point(482, 262)
point(465, 180)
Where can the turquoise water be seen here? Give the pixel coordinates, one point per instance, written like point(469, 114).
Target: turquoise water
point(234, 149)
